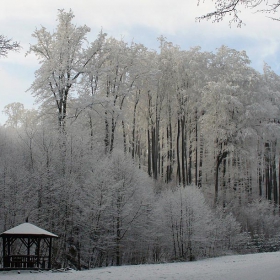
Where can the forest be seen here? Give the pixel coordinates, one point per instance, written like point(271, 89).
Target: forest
point(143, 156)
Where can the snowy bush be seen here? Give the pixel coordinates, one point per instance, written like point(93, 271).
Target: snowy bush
point(193, 229)
point(120, 216)
point(261, 220)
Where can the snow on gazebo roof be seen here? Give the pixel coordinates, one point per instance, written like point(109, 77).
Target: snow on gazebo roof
point(28, 229)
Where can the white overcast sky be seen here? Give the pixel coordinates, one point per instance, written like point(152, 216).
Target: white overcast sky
point(139, 20)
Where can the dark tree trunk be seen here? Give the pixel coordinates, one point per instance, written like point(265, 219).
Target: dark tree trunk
point(219, 159)
point(200, 162)
point(154, 153)
point(168, 156)
point(260, 180)
point(169, 144)
point(124, 138)
point(190, 164)
point(279, 182)
point(113, 128)
point(224, 182)
point(178, 153)
point(196, 150)
point(274, 175)
point(275, 189)
point(106, 138)
point(267, 172)
point(134, 127)
point(183, 147)
point(149, 153)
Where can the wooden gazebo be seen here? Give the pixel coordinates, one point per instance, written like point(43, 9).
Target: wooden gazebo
point(27, 246)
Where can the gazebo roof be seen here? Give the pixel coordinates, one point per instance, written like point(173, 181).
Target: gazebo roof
point(28, 229)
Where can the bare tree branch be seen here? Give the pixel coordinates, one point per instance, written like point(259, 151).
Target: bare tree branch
point(231, 8)
point(7, 45)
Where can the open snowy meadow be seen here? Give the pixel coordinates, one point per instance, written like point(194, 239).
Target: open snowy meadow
point(249, 267)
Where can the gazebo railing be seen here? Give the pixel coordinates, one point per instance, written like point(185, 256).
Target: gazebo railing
point(25, 261)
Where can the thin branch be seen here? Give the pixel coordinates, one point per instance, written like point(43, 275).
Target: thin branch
point(229, 7)
point(7, 45)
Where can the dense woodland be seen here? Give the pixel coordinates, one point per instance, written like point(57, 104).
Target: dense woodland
point(139, 156)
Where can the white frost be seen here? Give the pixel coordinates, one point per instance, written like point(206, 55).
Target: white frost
point(249, 267)
point(28, 229)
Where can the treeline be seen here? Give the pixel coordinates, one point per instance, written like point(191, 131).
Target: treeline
point(142, 156)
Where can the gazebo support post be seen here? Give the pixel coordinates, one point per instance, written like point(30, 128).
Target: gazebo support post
point(50, 254)
point(4, 247)
point(38, 252)
point(28, 253)
point(9, 246)
point(4, 251)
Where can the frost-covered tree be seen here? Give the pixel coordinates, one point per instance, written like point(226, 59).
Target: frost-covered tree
point(227, 107)
point(18, 116)
point(14, 112)
point(192, 229)
point(63, 60)
point(121, 210)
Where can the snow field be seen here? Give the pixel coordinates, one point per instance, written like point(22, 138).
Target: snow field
point(236, 267)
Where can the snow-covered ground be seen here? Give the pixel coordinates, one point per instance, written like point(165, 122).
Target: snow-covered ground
point(241, 267)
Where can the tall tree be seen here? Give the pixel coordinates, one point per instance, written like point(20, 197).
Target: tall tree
point(63, 60)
